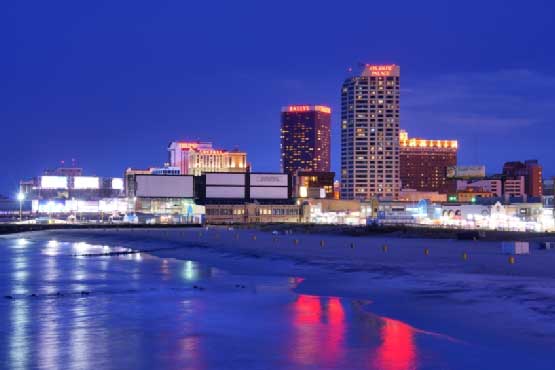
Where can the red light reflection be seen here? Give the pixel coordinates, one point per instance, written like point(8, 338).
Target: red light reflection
point(397, 351)
point(319, 325)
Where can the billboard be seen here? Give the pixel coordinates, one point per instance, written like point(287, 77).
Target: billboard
point(154, 186)
point(269, 192)
point(466, 172)
point(53, 182)
point(237, 179)
point(269, 179)
point(117, 183)
point(236, 192)
point(86, 182)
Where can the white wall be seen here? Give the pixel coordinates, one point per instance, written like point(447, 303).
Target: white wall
point(164, 186)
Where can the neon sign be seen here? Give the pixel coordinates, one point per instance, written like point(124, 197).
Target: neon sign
point(382, 70)
point(307, 108)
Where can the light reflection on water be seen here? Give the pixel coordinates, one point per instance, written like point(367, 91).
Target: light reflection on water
point(137, 311)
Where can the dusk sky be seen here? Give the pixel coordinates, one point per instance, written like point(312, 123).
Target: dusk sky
point(111, 83)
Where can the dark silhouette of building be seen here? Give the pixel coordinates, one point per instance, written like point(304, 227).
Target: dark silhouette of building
point(305, 138)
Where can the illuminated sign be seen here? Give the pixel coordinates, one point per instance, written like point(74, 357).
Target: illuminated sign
point(117, 183)
point(83, 182)
point(53, 182)
point(466, 172)
point(306, 108)
point(405, 142)
point(322, 108)
point(381, 70)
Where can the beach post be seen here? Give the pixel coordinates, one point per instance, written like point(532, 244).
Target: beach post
point(321, 243)
point(385, 248)
point(465, 256)
point(254, 237)
point(352, 245)
point(512, 260)
point(427, 251)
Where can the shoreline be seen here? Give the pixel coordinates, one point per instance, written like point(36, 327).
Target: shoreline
point(438, 292)
point(397, 231)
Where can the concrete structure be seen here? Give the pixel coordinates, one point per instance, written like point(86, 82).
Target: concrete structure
point(196, 158)
point(69, 183)
point(470, 195)
point(252, 213)
point(514, 187)
point(491, 185)
point(332, 211)
point(424, 163)
point(532, 172)
point(305, 138)
point(309, 184)
point(370, 133)
point(411, 195)
point(242, 188)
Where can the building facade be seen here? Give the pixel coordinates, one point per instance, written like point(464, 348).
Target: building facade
point(532, 172)
point(424, 163)
point(311, 184)
point(370, 133)
point(196, 158)
point(305, 138)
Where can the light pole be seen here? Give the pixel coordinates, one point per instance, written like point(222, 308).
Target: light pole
point(21, 198)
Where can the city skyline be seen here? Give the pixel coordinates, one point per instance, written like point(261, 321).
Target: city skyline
point(114, 100)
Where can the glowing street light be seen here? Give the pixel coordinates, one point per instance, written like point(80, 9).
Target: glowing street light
point(20, 198)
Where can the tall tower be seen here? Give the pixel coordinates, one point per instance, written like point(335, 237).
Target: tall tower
point(370, 133)
point(305, 138)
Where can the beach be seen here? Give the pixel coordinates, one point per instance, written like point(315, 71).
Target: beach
point(464, 293)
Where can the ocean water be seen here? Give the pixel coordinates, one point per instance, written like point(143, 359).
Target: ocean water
point(64, 306)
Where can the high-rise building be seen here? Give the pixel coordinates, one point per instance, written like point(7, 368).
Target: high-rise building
point(196, 158)
point(532, 172)
point(305, 138)
point(424, 163)
point(370, 133)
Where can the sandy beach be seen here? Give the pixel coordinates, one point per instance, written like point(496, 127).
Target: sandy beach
point(466, 291)
point(473, 275)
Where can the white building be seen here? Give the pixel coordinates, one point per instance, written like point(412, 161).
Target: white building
point(370, 134)
point(196, 158)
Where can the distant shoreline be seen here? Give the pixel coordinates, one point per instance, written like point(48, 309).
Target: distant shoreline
point(6, 229)
point(393, 231)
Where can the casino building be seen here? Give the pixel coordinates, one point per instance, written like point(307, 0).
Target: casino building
point(305, 138)
point(196, 158)
point(370, 133)
point(424, 163)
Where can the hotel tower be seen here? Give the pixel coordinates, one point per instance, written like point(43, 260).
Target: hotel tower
point(305, 138)
point(370, 134)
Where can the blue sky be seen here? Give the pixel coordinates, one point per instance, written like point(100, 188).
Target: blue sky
point(110, 83)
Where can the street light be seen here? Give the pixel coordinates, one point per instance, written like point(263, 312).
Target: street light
point(21, 198)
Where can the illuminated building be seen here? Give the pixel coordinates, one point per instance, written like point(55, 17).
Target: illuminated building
point(312, 184)
point(514, 186)
point(370, 133)
point(305, 138)
point(470, 195)
point(532, 172)
point(196, 158)
point(252, 213)
point(491, 185)
point(69, 183)
point(424, 163)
